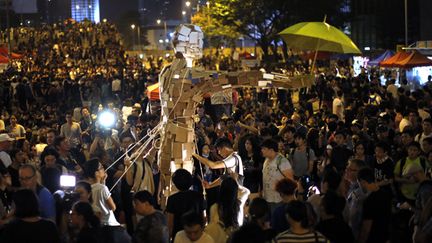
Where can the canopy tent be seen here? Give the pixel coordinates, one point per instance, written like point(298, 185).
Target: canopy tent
point(415, 59)
point(153, 92)
point(390, 62)
point(4, 59)
point(386, 55)
point(4, 52)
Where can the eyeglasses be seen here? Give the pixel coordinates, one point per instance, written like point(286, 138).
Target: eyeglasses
point(26, 178)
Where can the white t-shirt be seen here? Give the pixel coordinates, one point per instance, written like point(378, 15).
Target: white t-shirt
point(338, 108)
point(271, 175)
point(116, 85)
point(5, 158)
point(100, 194)
point(232, 161)
point(182, 238)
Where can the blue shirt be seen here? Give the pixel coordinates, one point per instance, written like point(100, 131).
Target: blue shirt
point(46, 203)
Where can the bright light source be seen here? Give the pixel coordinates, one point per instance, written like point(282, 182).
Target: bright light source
point(28, 21)
point(253, 54)
point(367, 48)
point(77, 6)
point(133, 26)
point(160, 41)
point(106, 119)
point(141, 56)
point(166, 40)
point(90, 6)
point(171, 34)
point(104, 20)
point(183, 12)
point(188, 3)
point(208, 3)
point(158, 21)
point(67, 181)
point(167, 55)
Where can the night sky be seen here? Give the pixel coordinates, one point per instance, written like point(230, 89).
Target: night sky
point(113, 9)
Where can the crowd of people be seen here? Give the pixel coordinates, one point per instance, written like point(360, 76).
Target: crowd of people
point(347, 160)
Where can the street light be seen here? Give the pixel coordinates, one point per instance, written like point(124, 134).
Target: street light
point(158, 21)
point(188, 4)
point(406, 22)
point(133, 26)
point(183, 13)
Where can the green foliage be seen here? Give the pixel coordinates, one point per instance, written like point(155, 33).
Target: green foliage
point(262, 20)
point(216, 33)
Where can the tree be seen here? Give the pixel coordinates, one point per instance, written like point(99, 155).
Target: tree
point(216, 33)
point(262, 20)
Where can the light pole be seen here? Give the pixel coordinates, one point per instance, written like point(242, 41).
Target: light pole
point(406, 22)
point(133, 36)
point(188, 4)
point(165, 29)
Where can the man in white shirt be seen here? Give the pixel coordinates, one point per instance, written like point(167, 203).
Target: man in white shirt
point(193, 232)
point(276, 167)
point(338, 107)
point(392, 89)
point(232, 162)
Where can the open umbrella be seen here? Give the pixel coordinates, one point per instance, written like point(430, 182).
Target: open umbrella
point(318, 36)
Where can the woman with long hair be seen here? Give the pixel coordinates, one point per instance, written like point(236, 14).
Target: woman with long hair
point(250, 153)
point(83, 217)
point(225, 213)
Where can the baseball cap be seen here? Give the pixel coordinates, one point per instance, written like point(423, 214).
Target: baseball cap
point(5, 137)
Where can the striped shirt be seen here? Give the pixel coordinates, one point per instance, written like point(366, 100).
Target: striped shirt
point(289, 237)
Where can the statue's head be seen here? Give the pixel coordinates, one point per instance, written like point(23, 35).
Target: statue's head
point(188, 40)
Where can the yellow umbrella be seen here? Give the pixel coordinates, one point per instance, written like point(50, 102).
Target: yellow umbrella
point(318, 36)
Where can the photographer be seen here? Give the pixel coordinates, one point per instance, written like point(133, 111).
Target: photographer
point(105, 140)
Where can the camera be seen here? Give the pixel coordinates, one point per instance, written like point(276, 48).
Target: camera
point(308, 186)
point(67, 197)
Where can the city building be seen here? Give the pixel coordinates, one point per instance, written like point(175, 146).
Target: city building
point(85, 9)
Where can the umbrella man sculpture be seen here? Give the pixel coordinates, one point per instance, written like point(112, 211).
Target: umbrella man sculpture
point(181, 89)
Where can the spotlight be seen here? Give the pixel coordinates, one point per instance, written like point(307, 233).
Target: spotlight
point(106, 119)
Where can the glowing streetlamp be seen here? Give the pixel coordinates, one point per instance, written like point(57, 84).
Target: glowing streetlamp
point(188, 4)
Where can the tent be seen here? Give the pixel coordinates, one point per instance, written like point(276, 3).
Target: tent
point(386, 55)
point(4, 52)
point(153, 92)
point(415, 59)
point(390, 62)
point(4, 59)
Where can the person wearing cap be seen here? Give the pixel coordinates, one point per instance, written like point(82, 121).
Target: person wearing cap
point(5, 145)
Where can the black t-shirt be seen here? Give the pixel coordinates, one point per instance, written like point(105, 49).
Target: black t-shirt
point(19, 231)
point(377, 207)
point(182, 202)
point(383, 171)
point(336, 230)
point(340, 156)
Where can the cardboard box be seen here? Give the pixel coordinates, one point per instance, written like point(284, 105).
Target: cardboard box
point(177, 151)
